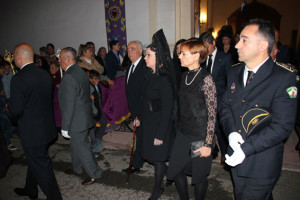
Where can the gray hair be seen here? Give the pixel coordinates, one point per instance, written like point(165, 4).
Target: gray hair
point(139, 43)
point(71, 51)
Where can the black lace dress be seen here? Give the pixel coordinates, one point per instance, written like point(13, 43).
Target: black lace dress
point(198, 110)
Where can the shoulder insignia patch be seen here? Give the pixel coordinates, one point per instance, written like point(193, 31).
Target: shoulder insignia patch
point(292, 91)
point(288, 67)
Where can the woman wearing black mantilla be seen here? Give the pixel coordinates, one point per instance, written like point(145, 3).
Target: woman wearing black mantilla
point(198, 107)
point(157, 109)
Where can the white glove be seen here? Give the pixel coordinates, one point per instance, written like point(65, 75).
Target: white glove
point(65, 134)
point(236, 158)
point(235, 139)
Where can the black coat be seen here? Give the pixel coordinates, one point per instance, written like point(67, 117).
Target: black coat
point(134, 89)
point(31, 106)
point(267, 90)
point(157, 123)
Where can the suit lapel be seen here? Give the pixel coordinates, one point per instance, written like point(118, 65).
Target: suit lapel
point(217, 64)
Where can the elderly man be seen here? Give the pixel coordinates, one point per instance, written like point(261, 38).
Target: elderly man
point(76, 111)
point(134, 86)
point(31, 109)
point(257, 113)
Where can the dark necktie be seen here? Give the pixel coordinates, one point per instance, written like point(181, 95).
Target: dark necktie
point(130, 72)
point(250, 76)
point(208, 67)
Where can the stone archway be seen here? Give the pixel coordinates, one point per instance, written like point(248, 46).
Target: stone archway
point(255, 10)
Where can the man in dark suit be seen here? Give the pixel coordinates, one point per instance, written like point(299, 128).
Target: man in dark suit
point(77, 117)
point(257, 113)
point(134, 86)
point(218, 64)
point(113, 60)
point(283, 51)
point(31, 110)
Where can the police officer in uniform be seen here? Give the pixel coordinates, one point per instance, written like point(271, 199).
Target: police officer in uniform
point(257, 113)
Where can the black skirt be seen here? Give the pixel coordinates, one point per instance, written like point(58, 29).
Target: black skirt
point(198, 168)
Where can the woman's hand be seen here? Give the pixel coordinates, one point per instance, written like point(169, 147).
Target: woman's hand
point(157, 142)
point(205, 151)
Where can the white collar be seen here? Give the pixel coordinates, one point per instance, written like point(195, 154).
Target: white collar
point(256, 68)
point(136, 63)
point(25, 65)
point(69, 67)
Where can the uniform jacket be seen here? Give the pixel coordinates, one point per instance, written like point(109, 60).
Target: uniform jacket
point(268, 90)
point(31, 106)
point(74, 100)
point(134, 89)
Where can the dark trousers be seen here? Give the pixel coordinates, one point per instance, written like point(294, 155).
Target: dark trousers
point(40, 172)
point(222, 140)
point(96, 133)
point(137, 160)
point(246, 188)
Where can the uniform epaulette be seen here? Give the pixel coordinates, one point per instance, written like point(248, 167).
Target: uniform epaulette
point(288, 67)
point(236, 64)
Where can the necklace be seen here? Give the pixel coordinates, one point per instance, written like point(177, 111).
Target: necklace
point(192, 79)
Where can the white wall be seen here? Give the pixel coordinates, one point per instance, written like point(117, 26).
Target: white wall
point(137, 20)
point(72, 22)
point(166, 19)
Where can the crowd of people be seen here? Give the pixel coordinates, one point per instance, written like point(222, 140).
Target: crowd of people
point(226, 94)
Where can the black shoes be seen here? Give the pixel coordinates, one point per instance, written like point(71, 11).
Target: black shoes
point(90, 180)
point(23, 192)
point(132, 170)
point(153, 197)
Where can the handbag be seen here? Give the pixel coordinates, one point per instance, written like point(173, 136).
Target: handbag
point(194, 146)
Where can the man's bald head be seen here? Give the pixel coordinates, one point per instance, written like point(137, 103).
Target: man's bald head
point(23, 54)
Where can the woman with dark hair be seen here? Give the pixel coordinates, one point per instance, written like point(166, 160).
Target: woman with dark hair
point(198, 110)
point(86, 59)
point(157, 109)
point(41, 62)
point(228, 46)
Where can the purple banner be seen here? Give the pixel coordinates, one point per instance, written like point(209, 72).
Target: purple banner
point(116, 23)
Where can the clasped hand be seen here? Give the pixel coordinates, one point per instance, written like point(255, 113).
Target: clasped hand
point(205, 151)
